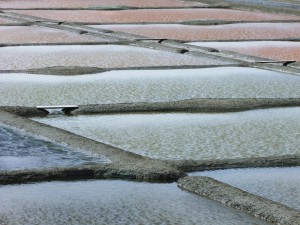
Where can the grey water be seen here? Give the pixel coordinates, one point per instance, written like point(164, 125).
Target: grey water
point(173, 136)
point(146, 86)
point(112, 202)
point(22, 151)
point(278, 184)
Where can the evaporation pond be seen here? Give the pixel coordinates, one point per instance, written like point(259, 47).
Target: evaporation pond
point(238, 31)
point(34, 34)
point(22, 151)
point(278, 50)
point(278, 184)
point(112, 202)
point(153, 15)
point(103, 56)
point(46, 4)
point(146, 86)
point(256, 133)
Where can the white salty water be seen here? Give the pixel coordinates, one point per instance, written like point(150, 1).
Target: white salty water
point(103, 56)
point(146, 86)
point(278, 184)
point(112, 202)
point(22, 151)
point(268, 132)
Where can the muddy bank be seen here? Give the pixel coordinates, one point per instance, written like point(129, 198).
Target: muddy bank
point(282, 6)
point(202, 165)
point(108, 171)
point(189, 105)
point(124, 164)
point(254, 205)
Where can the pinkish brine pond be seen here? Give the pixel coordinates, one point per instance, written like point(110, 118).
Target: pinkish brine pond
point(35, 34)
point(92, 3)
point(278, 50)
point(246, 31)
point(153, 15)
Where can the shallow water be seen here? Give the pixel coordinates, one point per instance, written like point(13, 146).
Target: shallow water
point(21, 151)
point(146, 86)
point(111, 202)
point(278, 50)
point(277, 184)
point(91, 3)
point(247, 31)
point(154, 15)
point(277, 3)
point(32, 34)
point(4, 21)
point(103, 56)
point(257, 133)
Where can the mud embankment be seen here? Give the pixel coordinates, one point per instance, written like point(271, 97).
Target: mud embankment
point(252, 204)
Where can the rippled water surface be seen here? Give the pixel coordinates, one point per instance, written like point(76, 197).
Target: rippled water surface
point(279, 50)
point(22, 151)
point(111, 202)
point(269, 132)
point(277, 184)
point(103, 56)
point(146, 85)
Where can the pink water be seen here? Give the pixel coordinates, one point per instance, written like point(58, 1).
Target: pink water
point(154, 15)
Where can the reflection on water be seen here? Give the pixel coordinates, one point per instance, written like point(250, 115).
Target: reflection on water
point(278, 184)
point(269, 132)
point(21, 151)
point(111, 202)
point(145, 86)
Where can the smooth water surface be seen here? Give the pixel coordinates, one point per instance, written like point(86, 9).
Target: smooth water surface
point(34, 34)
point(257, 133)
point(278, 184)
point(22, 151)
point(154, 15)
point(239, 31)
point(146, 86)
point(112, 202)
point(92, 3)
point(279, 50)
point(103, 56)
